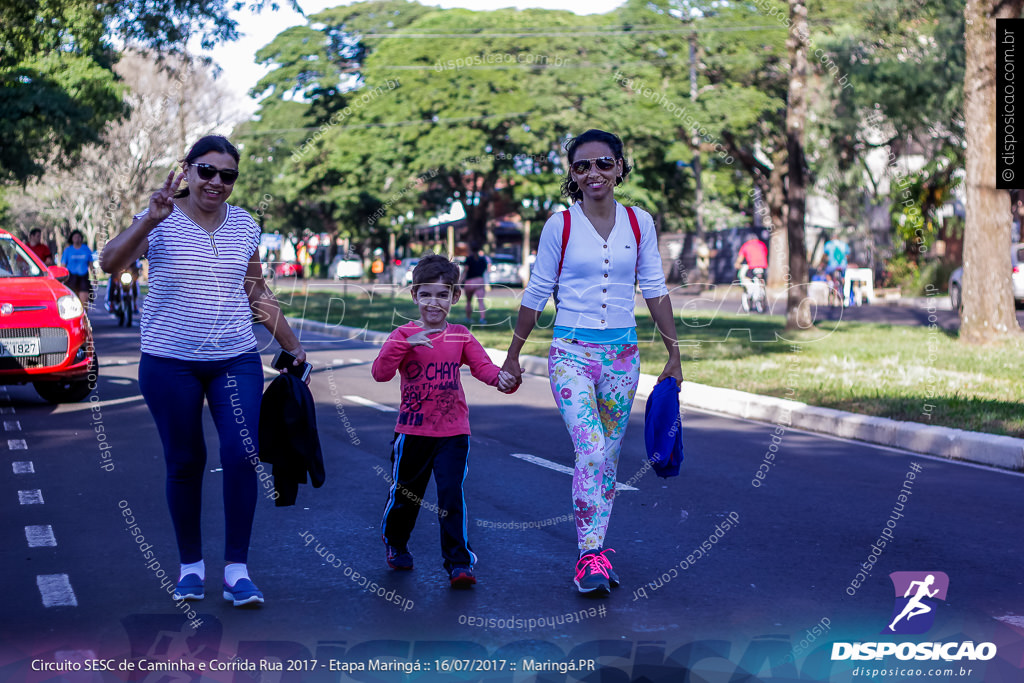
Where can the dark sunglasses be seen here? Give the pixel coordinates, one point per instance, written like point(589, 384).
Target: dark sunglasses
point(206, 172)
point(583, 165)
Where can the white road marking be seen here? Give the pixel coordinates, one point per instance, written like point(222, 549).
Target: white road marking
point(371, 404)
point(23, 467)
point(89, 405)
point(120, 380)
point(30, 497)
point(56, 590)
point(7, 410)
point(40, 535)
point(562, 468)
point(12, 426)
point(17, 444)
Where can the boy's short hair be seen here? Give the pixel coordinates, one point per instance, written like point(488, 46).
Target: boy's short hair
point(434, 268)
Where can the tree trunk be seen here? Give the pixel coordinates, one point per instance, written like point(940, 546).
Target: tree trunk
point(798, 306)
point(778, 242)
point(698, 185)
point(988, 313)
point(476, 223)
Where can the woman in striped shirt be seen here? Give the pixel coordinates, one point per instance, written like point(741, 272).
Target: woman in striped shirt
point(205, 282)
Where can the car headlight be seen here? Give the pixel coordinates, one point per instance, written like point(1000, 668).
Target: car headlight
point(69, 307)
point(126, 278)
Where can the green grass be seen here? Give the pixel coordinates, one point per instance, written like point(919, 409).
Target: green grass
point(921, 374)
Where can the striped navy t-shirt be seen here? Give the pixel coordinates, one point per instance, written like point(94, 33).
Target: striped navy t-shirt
point(197, 308)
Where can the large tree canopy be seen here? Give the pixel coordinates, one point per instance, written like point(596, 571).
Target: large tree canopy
point(57, 85)
point(412, 109)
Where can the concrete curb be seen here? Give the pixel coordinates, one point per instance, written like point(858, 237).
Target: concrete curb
point(944, 442)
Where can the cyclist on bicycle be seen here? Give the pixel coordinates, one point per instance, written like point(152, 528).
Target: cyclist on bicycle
point(113, 285)
point(753, 256)
point(836, 252)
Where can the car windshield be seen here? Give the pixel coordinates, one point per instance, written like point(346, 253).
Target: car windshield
point(14, 262)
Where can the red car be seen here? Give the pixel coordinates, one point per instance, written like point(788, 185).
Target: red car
point(288, 269)
point(45, 336)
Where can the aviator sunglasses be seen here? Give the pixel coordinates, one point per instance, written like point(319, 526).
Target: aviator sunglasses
point(206, 172)
point(581, 166)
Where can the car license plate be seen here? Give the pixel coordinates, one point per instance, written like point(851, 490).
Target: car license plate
point(19, 347)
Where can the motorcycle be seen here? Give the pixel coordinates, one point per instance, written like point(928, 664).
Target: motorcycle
point(755, 294)
point(123, 294)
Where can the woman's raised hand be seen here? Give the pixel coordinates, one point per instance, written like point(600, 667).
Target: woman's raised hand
point(161, 203)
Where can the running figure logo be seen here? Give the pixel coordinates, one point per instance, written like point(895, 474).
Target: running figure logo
point(917, 594)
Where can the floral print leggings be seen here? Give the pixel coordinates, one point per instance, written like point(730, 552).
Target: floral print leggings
point(594, 385)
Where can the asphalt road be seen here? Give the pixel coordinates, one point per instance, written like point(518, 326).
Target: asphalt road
point(780, 572)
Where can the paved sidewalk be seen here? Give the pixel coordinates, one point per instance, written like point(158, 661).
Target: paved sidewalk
point(956, 444)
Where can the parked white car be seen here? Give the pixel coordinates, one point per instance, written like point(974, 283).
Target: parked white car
point(1016, 258)
point(504, 270)
point(345, 266)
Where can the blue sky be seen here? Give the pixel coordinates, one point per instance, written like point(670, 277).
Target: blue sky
point(240, 72)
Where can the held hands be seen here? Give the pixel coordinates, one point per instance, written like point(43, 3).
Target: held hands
point(506, 382)
point(161, 203)
point(511, 368)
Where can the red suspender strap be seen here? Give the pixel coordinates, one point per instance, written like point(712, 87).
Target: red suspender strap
point(633, 223)
point(566, 223)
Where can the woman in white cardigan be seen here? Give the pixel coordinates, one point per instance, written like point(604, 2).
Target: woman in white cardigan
point(594, 362)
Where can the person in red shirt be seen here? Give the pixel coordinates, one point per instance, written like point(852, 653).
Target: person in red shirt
point(432, 433)
point(35, 243)
point(753, 255)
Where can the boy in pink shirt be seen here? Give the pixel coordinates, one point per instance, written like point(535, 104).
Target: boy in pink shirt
point(432, 434)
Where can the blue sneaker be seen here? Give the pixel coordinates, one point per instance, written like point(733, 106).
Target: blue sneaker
point(461, 576)
point(245, 592)
point(189, 588)
point(591, 575)
point(398, 558)
point(613, 578)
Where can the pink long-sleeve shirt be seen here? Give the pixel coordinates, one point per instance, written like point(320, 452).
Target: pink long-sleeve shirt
point(433, 402)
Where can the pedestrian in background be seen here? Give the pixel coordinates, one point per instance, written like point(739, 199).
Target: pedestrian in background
point(205, 283)
point(594, 361)
point(475, 282)
point(35, 243)
point(77, 257)
point(432, 433)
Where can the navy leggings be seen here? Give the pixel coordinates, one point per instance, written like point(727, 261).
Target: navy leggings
point(413, 458)
point(174, 391)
